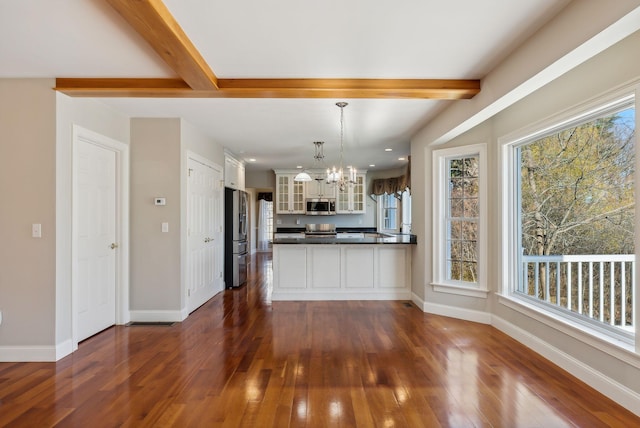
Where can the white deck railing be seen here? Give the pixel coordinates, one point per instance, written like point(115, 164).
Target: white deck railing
point(596, 286)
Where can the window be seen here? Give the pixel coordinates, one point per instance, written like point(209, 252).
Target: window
point(394, 214)
point(570, 208)
point(459, 220)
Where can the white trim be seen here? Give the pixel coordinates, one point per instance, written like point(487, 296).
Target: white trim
point(618, 349)
point(63, 349)
point(603, 384)
point(419, 302)
point(619, 393)
point(439, 160)
point(509, 180)
point(576, 113)
point(460, 290)
point(486, 105)
point(121, 151)
point(159, 316)
point(459, 313)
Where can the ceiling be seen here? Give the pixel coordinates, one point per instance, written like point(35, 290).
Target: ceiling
point(281, 39)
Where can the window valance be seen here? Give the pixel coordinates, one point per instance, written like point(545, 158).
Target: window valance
point(393, 185)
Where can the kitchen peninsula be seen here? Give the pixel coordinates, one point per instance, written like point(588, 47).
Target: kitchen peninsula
point(342, 266)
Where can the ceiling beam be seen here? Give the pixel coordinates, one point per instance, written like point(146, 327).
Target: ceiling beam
point(153, 21)
point(443, 89)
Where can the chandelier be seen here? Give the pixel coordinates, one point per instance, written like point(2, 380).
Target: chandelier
point(337, 175)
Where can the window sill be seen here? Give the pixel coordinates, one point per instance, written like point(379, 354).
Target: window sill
point(614, 347)
point(461, 290)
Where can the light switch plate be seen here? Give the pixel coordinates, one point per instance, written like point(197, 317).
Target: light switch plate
point(36, 230)
point(165, 227)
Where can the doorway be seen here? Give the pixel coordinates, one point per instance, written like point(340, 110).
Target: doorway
point(99, 246)
point(205, 235)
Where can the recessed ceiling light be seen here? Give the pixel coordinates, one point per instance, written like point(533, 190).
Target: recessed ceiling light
point(402, 159)
point(252, 159)
point(388, 150)
point(371, 165)
point(299, 166)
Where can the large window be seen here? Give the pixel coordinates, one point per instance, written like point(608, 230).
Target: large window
point(459, 220)
point(573, 206)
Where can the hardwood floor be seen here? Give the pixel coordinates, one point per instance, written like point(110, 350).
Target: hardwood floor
point(240, 360)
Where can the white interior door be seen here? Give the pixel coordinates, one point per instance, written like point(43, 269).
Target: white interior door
point(205, 240)
point(96, 239)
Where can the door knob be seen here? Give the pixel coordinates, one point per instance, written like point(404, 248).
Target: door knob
point(113, 246)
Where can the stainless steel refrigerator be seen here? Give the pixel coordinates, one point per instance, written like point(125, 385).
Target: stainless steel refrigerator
point(235, 233)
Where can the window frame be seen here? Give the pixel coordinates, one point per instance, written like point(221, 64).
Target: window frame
point(584, 330)
point(440, 282)
point(403, 213)
point(381, 209)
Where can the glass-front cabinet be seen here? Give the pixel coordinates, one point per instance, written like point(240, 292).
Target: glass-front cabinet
point(352, 199)
point(290, 196)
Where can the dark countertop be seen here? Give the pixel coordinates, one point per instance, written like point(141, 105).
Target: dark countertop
point(384, 239)
point(338, 229)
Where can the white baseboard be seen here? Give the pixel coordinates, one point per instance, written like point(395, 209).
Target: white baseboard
point(619, 393)
point(27, 354)
point(63, 349)
point(158, 316)
point(603, 384)
point(460, 313)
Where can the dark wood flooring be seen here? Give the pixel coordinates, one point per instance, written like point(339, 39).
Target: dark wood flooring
point(242, 361)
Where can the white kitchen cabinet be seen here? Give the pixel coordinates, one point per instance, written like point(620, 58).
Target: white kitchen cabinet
point(319, 188)
point(341, 271)
point(233, 173)
point(290, 194)
point(290, 268)
point(352, 199)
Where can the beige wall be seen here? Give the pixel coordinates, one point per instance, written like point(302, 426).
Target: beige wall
point(35, 187)
point(155, 256)
point(159, 149)
point(27, 195)
point(614, 67)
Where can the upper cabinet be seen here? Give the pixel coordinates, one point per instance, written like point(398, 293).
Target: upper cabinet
point(319, 188)
point(352, 199)
point(233, 172)
point(290, 197)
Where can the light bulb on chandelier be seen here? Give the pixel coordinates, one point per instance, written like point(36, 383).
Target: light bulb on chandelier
point(336, 175)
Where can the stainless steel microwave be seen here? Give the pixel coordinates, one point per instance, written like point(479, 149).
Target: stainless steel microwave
point(321, 206)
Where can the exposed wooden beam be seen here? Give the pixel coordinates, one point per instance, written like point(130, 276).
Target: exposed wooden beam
point(153, 21)
point(273, 88)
